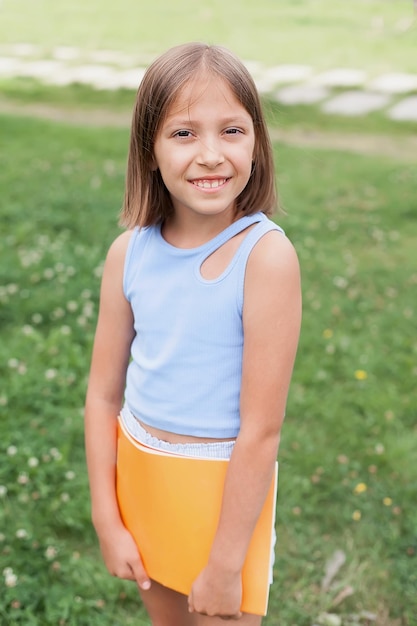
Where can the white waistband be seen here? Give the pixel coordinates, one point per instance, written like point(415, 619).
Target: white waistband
point(215, 450)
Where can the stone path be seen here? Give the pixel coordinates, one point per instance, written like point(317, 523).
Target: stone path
point(341, 91)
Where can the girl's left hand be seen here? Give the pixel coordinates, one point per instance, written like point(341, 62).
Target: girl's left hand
point(216, 593)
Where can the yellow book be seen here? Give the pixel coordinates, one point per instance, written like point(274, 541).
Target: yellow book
point(171, 505)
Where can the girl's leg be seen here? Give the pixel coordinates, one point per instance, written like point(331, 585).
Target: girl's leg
point(166, 607)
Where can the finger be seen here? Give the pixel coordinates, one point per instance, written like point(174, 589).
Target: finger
point(140, 575)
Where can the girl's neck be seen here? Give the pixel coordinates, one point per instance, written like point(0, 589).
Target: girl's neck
point(192, 233)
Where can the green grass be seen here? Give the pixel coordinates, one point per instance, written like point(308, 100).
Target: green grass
point(350, 420)
point(376, 35)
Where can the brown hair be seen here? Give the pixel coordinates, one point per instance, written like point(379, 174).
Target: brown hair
point(147, 200)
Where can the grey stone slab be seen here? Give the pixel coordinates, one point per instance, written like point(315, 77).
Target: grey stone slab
point(66, 53)
point(90, 74)
point(127, 79)
point(9, 66)
point(287, 73)
point(305, 93)
point(356, 103)
point(405, 110)
point(341, 77)
point(271, 77)
point(39, 69)
point(83, 74)
point(395, 83)
point(264, 85)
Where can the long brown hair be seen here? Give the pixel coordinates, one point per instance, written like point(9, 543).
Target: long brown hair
point(147, 200)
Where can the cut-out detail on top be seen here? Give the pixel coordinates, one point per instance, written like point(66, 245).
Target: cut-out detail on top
point(218, 260)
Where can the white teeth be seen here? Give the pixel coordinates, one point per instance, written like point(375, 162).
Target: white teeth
point(210, 184)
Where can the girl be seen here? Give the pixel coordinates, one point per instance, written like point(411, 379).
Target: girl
point(199, 317)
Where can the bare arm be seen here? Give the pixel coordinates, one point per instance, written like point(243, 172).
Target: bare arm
point(271, 319)
point(109, 362)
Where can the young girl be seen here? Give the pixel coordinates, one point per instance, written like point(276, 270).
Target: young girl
point(199, 318)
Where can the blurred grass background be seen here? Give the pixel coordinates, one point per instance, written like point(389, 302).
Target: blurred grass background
point(348, 481)
point(376, 35)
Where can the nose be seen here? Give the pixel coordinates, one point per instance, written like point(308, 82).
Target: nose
point(210, 153)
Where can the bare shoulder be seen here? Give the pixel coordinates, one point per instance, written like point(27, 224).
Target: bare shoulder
point(273, 256)
point(116, 254)
point(114, 265)
point(118, 248)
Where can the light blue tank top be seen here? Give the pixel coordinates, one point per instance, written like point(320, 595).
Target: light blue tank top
point(186, 358)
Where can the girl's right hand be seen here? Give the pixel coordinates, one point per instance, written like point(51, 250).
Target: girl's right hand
point(122, 558)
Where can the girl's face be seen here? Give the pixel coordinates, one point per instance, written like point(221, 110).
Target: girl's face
point(204, 149)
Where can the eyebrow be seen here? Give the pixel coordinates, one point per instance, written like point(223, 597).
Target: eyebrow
point(223, 122)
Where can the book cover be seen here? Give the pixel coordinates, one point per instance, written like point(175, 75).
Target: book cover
point(171, 505)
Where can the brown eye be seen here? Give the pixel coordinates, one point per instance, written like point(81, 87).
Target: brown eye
point(182, 133)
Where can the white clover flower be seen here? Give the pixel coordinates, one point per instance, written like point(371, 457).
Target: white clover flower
point(21, 533)
point(340, 282)
point(98, 271)
point(51, 552)
point(11, 580)
point(3, 491)
point(70, 271)
point(4, 400)
point(66, 330)
point(65, 497)
point(88, 309)
point(55, 454)
point(22, 368)
point(2, 537)
point(7, 571)
point(37, 318)
point(70, 475)
point(72, 305)
point(86, 294)
point(23, 479)
point(58, 313)
point(27, 330)
point(11, 450)
point(51, 374)
point(43, 240)
point(49, 273)
point(33, 461)
point(12, 289)
point(13, 363)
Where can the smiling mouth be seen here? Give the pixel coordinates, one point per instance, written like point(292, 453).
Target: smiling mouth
point(205, 183)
